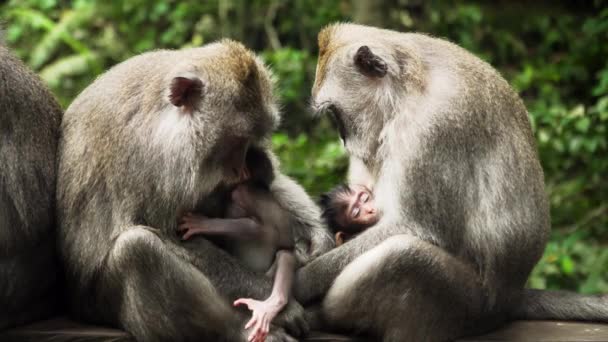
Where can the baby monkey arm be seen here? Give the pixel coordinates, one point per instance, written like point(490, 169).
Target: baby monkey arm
point(236, 228)
point(265, 311)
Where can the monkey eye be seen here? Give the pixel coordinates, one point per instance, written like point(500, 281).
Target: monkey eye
point(355, 212)
point(365, 197)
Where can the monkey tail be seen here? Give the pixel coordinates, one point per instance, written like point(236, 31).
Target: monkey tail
point(562, 305)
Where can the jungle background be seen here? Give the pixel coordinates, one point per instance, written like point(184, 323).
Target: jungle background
point(555, 54)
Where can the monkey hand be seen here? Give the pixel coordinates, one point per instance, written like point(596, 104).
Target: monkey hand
point(191, 224)
point(263, 314)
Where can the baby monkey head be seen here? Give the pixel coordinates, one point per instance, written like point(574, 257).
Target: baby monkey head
point(349, 209)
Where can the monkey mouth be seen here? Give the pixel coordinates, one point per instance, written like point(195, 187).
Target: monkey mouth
point(336, 116)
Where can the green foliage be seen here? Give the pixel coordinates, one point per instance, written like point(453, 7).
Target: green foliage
point(318, 165)
point(554, 54)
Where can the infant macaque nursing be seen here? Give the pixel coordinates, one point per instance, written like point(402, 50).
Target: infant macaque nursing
point(349, 210)
point(260, 236)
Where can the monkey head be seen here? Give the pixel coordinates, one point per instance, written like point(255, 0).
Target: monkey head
point(173, 124)
point(349, 208)
point(217, 103)
point(360, 78)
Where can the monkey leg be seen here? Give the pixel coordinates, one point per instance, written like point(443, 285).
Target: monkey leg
point(404, 289)
point(228, 276)
point(161, 296)
point(232, 280)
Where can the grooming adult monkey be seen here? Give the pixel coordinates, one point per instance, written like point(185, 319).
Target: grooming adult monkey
point(453, 161)
point(29, 133)
point(154, 137)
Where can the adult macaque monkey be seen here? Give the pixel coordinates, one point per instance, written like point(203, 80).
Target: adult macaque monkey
point(29, 133)
point(148, 141)
point(453, 165)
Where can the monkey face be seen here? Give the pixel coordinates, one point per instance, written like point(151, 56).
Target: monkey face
point(358, 209)
point(358, 81)
point(344, 84)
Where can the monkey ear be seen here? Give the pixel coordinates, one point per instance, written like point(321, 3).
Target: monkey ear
point(186, 91)
point(370, 64)
point(340, 238)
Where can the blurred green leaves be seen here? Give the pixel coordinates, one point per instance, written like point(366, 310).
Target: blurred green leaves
point(317, 165)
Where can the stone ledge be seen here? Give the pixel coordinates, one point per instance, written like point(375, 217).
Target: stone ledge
point(61, 329)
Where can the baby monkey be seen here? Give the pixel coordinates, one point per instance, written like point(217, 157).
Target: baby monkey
point(349, 210)
point(257, 232)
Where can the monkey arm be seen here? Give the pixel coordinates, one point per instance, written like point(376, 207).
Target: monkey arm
point(235, 228)
point(283, 277)
point(314, 279)
point(233, 280)
point(264, 312)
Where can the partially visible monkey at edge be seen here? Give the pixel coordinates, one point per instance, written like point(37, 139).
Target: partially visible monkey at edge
point(448, 146)
point(259, 234)
point(151, 139)
point(29, 134)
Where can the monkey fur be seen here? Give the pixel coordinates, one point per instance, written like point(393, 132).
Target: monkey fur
point(29, 133)
point(152, 138)
point(453, 164)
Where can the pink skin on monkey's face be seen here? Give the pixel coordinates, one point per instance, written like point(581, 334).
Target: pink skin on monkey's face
point(360, 209)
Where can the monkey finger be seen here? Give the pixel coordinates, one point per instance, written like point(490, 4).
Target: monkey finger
point(243, 301)
point(261, 337)
point(251, 322)
point(252, 336)
point(188, 221)
point(255, 332)
point(187, 235)
point(266, 326)
point(259, 332)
